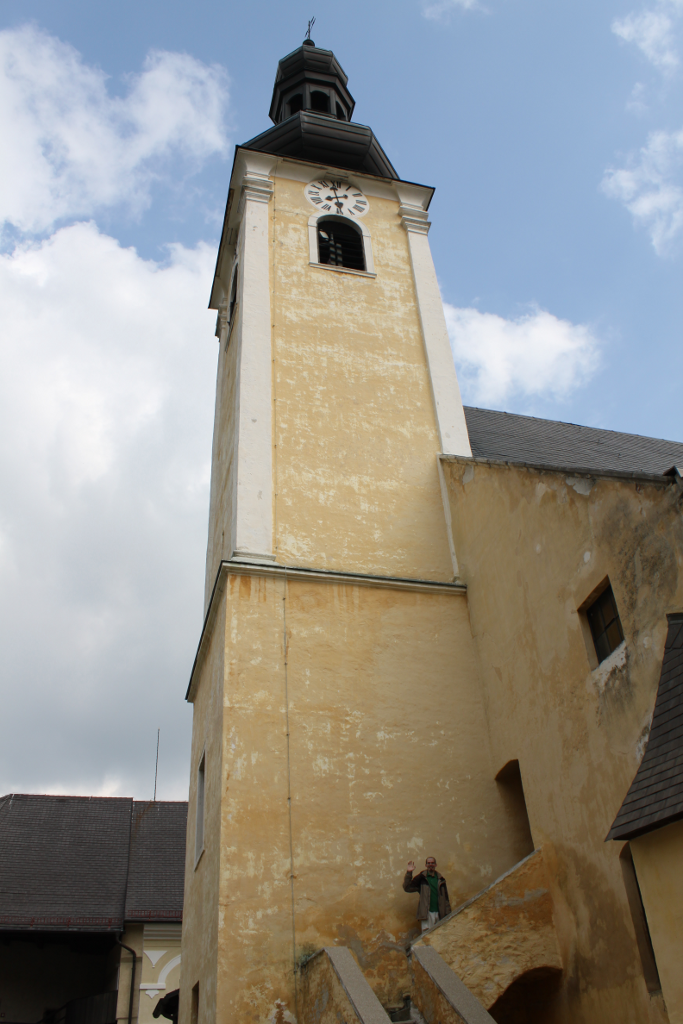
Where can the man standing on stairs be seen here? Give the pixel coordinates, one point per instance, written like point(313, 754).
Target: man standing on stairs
point(433, 903)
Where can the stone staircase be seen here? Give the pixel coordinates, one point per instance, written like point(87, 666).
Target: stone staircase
point(464, 964)
point(503, 942)
point(335, 990)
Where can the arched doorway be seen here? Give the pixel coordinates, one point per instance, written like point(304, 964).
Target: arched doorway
point(529, 999)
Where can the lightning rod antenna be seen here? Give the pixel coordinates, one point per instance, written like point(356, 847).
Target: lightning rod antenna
point(310, 26)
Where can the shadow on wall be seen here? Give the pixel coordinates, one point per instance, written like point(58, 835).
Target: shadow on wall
point(530, 999)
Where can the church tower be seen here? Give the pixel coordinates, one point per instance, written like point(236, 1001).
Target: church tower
point(336, 695)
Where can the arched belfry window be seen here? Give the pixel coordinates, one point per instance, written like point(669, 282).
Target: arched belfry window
point(340, 244)
point(296, 103)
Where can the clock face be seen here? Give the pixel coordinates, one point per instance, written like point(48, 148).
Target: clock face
point(330, 195)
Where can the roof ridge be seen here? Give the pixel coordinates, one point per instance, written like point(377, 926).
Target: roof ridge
point(62, 796)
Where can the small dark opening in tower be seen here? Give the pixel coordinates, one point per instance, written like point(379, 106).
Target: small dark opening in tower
point(511, 790)
point(635, 905)
point(233, 298)
point(340, 245)
point(320, 101)
point(341, 116)
point(296, 103)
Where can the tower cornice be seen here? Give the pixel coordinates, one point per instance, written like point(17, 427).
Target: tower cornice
point(294, 573)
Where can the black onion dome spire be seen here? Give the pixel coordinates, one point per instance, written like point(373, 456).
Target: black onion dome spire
point(312, 109)
point(311, 79)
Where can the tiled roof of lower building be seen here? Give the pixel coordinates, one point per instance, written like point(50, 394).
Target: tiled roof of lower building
point(157, 861)
point(655, 797)
point(64, 862)
point(509, 437)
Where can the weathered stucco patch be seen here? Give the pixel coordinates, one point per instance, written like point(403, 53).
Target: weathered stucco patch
point(581, 484)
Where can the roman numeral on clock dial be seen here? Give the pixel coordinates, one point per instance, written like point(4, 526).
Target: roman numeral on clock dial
point(337, 196)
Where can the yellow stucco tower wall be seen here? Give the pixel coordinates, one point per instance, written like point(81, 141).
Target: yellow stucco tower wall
point(327, 403)
point(338, 709)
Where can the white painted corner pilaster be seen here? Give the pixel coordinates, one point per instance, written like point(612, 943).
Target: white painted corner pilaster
point(253, 498)
point(448, 518)
point(450, 415)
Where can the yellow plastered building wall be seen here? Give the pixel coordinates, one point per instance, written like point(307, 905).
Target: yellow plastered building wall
point(578, 728)
point(133, 938)
point(203, 915)
point(353, 738)
point(658, 860)
point(160, 966)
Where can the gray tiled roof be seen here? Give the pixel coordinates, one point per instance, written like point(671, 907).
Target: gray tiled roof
point(655, 797)
point(157, 861)
point(513, 438)
point(64, 862)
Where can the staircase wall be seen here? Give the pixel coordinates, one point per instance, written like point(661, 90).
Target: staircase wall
point(502, 933)
point(440, 995)
point(333, 989)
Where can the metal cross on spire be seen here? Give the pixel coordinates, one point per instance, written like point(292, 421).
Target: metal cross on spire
point(310, 26)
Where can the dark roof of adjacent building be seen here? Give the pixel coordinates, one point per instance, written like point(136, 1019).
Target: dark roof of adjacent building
point(655, 797)
point(89, 863)
point(157, 862)
point(509, 437)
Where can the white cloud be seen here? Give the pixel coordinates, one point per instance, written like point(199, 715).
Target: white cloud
point(536, 354)
point(636, 103)
point(70, 147)
point(652, 33)
point(107, 373)
point(651, 188)
point(436, 10)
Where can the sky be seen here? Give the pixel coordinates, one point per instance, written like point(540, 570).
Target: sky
point(553, 134)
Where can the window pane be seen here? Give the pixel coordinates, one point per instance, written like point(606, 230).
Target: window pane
point(614, 635)
point(602, 647)
point(609, 607)
point(605, 626)
point(596, 619)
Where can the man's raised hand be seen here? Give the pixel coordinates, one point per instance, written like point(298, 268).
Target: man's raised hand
point(411, 865)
